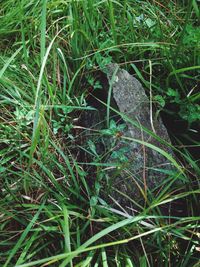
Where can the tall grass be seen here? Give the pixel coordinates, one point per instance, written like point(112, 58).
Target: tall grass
point(51, 212)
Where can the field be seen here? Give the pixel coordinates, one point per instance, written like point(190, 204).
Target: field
point(52, 57)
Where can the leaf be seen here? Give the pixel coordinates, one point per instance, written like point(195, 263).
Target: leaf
point(160, 100)
point(113, 124)
point(106, 132)
point(150, 23)
point(174, 96)
point(92, 147)
point(93, 201)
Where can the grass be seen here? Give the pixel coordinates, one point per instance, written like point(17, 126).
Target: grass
point(51, 210)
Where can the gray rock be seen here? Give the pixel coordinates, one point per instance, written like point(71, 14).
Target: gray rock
point(145, 168)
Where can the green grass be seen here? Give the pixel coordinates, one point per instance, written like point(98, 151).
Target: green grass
point(51, 210)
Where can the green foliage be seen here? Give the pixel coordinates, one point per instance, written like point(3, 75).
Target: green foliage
point(23, 116)
point(114, 129)
point(192, 36)
point(62, 122)
point(188, 110)
point(51, 209)
point(95, 84)
point(120, 154)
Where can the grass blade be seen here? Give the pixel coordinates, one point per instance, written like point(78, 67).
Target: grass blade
point(23, 236)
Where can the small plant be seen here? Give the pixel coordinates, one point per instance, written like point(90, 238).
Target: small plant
point(114, 129)
point(94, 83)
point(188, 110)
point(61, 123)
point(24, 116)
point(8, 134)
point(120, 154)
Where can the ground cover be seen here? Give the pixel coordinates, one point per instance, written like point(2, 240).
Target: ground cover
point(52, 54)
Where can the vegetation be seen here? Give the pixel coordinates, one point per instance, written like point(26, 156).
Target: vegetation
point(51, 53)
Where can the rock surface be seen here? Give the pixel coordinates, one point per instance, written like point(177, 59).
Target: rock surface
point(139, 167)
point(141, 171)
